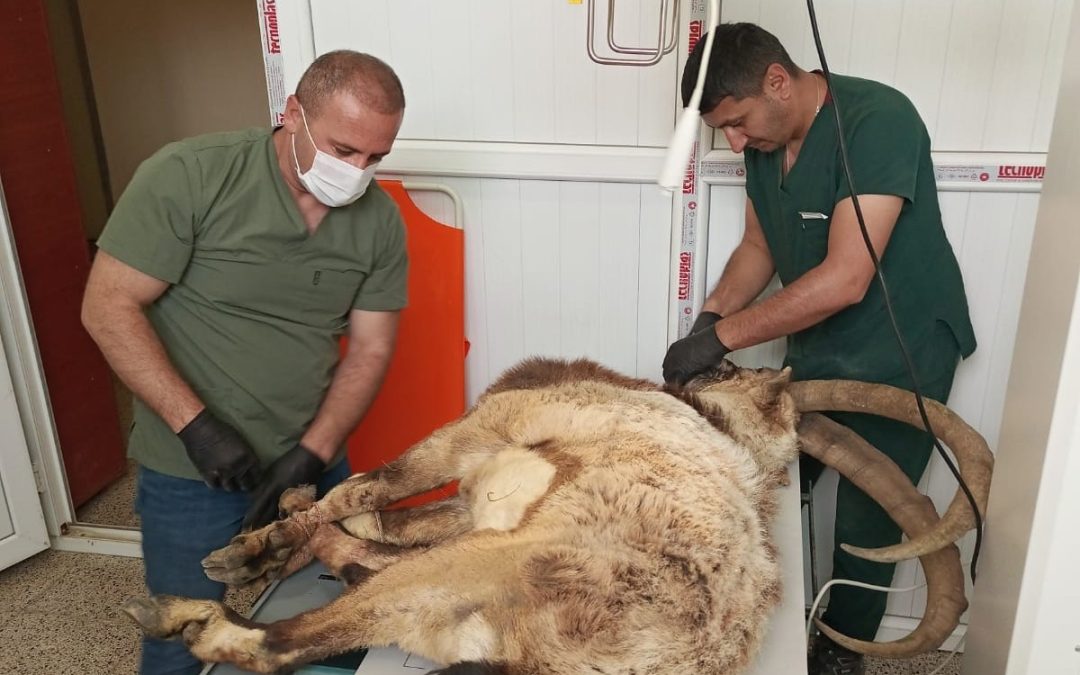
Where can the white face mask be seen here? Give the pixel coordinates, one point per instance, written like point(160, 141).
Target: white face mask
point(332, 181)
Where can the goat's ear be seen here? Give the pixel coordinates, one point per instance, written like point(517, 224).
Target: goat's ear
point(770, 389)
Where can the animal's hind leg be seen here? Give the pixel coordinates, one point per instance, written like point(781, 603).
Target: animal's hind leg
point(418, 526)
point(442, 457)
point(439, 604)
point(380, 538)
point(353, 560)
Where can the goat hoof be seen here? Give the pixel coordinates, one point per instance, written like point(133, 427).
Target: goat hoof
point(253, 555)
point(296, 499)
point(147, 614)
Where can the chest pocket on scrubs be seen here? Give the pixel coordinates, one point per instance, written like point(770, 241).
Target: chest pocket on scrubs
point(298, 293)
point(812, 235)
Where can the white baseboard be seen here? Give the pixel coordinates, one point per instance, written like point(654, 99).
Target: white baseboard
point(103, 540)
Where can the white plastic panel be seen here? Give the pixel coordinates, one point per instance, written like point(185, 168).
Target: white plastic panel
point(565, 269)
point(727, 209)
point(490, 70)
point(982, 73)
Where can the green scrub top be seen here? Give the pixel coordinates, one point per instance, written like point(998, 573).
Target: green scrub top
point(256, 305)
point(889, 153)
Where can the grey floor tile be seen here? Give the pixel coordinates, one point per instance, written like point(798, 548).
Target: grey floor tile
point(115, 505)
point(94, 588)
point(50, 643)
point(921, 665)
point(23, 583)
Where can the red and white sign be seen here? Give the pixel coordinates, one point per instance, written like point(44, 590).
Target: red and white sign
point(943, 173)
point(989, 173)
point(691, 191)
point(272, 60)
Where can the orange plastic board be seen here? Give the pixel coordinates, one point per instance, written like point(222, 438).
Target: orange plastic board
point(425, 385)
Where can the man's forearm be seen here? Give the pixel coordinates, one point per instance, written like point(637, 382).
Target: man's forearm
point(136, 354)
point(812, 298)
point(745, 276)
point(353, 389)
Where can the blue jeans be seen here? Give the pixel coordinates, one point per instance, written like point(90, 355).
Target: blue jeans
point(182, 522)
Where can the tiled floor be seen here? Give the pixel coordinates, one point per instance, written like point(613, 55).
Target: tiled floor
point(59, 615)
point(114, 505)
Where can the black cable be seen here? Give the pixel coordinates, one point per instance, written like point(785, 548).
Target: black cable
point(885, 293)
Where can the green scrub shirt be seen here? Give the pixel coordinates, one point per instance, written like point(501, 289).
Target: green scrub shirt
point(256, 304)
point(889, 152)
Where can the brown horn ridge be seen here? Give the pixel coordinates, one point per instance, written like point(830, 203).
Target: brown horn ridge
point(877, 475)
point(973, 457)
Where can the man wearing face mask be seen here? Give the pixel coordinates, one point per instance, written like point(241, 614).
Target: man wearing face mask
point(800, 224)
point(226, 275)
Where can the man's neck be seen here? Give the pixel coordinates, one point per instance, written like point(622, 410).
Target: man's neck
point(809, 96)
point(311, 210)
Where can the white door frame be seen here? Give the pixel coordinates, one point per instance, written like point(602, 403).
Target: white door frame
point(19, 506)
point(17, 476)
point(35, 413)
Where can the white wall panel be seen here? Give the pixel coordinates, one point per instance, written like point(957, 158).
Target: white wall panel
point(448, 52)
point(969, 72)
point(658, 88)
point(412, 65)
point(575, 80)
point(982, 73)
point(1051, 74)
point(534, 70)
point(727, 218)
point(564, 269)
point(874, 56)
point(921, 50)
point(502, 277)
point(490, 70)
point(539, 250)
point(1021, 54)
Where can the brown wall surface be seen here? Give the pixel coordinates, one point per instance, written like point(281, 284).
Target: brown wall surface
point(163, 71)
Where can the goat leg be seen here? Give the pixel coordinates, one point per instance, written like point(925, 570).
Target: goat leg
point(442, 457)
point(412, 603)
point(423, 525)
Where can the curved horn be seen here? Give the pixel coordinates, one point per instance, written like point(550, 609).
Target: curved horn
point(880, 478)
point(973, 456)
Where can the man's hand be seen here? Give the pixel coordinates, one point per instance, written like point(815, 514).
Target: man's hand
point(704, 320)
point(298, 466)
point(222, 456)
point(692, 355)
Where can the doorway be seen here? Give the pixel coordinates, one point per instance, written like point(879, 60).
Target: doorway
point(91, 89)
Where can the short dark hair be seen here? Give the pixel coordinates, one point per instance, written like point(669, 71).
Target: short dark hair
point(741, 53)
point(367, 78)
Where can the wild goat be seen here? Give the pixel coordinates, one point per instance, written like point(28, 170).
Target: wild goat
point(602, 525)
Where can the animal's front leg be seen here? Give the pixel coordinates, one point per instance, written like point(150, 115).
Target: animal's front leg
point(272, 552)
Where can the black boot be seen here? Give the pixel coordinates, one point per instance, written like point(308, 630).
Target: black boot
point(828, 658)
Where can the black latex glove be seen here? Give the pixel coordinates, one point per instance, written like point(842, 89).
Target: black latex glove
point(692, 355)
point(296, 467)
point(221, 455)
point(704, 320)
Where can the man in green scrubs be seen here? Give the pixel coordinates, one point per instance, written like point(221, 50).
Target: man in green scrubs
point(801, 225)
point(227, 274)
